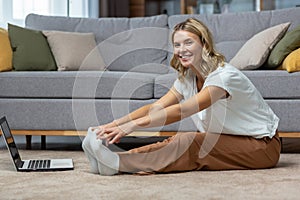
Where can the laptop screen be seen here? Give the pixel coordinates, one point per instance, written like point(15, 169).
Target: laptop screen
point(9, 140)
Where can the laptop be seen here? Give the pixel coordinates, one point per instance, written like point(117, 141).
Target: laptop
point(31, 165)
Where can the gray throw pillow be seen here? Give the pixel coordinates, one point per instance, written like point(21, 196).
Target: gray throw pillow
point(257, 49)
point(74, 51)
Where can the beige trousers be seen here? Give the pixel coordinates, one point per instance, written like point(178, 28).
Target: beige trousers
point(202, 151)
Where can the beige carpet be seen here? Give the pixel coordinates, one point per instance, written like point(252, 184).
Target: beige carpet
point(278, 183)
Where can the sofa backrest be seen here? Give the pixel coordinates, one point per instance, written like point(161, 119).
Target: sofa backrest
point(126, 44)
point(143, 44)
point(232, 30)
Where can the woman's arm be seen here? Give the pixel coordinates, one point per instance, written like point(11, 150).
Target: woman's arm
point(177, 112)
point(170, 98)
point(170, 114)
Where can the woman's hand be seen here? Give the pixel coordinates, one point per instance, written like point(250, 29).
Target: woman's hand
point(113, 134)
point(109, 125)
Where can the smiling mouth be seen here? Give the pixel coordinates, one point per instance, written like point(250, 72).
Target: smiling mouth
point(184, 56)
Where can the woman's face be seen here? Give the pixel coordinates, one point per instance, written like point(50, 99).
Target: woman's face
point(187, 48)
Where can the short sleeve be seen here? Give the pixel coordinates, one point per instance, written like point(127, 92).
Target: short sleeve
point(178, 86)
point(220, 78)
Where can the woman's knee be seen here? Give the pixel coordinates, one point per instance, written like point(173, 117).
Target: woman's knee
point(189, 135)
point(192, 137)
point(187, 140)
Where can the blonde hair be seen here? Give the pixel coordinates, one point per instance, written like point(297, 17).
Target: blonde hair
point(211, 59)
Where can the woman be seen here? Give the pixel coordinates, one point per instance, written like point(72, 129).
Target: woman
point(236, 127)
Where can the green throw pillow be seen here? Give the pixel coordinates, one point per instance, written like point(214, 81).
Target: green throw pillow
point(31, 51)
point(284, 47)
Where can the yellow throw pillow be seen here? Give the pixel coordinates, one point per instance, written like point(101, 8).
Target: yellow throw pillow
point(292, 62)
point(5, 51)
point(280, 68)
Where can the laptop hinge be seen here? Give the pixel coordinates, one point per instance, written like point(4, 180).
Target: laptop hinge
point(20, 164)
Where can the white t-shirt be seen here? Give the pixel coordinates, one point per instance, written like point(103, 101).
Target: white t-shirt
point(244, 112)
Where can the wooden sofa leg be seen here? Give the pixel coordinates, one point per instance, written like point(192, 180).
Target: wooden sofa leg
point(28, 141)
point(281, 141)
point(43, 142)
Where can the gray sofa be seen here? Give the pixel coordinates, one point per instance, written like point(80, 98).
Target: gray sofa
point(137, 52)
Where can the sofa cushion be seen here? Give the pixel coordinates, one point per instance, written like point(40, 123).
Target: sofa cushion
point(163, 83)
point(272, 84)
point(30, 50)
point(5, 51)
point(78, 114)
point(126, 44)
point(81, 84)
point(275, 84)
point(74, 51)
point(256, 50)
point(223, 26)
point(292, 62)
point(74, 114)
point(289, 43)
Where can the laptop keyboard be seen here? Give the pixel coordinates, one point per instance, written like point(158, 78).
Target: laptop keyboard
point(39, 164)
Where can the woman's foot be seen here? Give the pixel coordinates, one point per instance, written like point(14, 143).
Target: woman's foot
point(102, 160)
point(87, 148)
point(108, 161)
